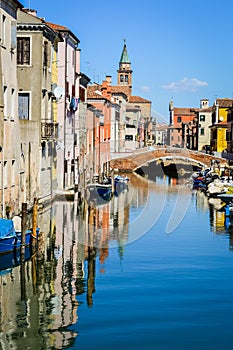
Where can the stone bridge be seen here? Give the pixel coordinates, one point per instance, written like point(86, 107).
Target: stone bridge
point(168, 155)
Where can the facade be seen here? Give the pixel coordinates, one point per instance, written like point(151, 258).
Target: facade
point(102, 132)
point(38, 129)
point(68, 107)
point(183, 130)
point(219, 127)
point(204, 123)
point(161, 134)
point(9, 123)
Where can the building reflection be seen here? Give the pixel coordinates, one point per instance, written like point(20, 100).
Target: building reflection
point(40, 299)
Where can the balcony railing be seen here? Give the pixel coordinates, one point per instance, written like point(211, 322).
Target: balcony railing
point(49, 131)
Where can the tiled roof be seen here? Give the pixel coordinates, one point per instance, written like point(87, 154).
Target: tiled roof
point(57, 26)
point(138, 99)
point(121, 89)
point(224, 102)
point(130, 107)
point(184, 111)
point(96, 95)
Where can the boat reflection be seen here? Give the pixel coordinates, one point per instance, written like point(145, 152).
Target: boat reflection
point(40, 298)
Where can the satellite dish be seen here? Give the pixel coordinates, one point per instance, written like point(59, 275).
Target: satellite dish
point(221, 119)
point(59, 92)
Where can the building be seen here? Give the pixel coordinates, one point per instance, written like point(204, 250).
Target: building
point(204, 122)
point(219, 127)
point(10, 149)
point(183, 128)
point(68, 107)
point(38, 129)
point(161, 134)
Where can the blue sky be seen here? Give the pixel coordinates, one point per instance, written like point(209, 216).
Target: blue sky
point(179, 49)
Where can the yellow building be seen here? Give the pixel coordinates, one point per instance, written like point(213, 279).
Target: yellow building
point(219, 124)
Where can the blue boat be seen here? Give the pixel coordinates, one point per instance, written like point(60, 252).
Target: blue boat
point(12, 259)
point(10, 239)
point(120, 184)
point(99, 192)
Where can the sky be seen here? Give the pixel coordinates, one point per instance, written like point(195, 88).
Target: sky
point(180, 50)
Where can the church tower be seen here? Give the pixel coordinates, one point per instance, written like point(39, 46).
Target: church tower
point(124, 71)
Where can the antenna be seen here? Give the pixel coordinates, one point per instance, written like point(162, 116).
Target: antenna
point(29, 4)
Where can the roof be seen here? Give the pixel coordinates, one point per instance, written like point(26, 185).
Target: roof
point(219, 125)
point(96, 95)
point(60, 28)
point(18, 4)
point(184, 111)
point(130, 107)
point(224, 102)
point(124, 56)
point(138, 99)
point(121, 89)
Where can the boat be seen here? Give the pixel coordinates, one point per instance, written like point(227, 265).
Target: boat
point(99, 192)
point(12, 259)
point(10, 238)
point(226, 197)
point(120, 184)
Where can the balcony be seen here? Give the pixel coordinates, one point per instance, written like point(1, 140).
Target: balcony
point(49, 131)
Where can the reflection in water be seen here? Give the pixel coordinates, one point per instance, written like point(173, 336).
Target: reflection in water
point(40, 299)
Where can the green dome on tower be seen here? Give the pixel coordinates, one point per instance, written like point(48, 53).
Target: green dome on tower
point(124, 55)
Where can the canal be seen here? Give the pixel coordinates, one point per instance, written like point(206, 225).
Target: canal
point(151, 269)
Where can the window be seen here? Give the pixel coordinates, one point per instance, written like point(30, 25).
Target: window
point(13, 35)
point(12, 103)
point(121, 78)
point(23, 51)
point(179, 119)
point(126, 79)
point(13, 171)
point(46, 53)
point(24, 105)
point(3, 29)
point(202, 131)
point(5, 176)
point(202, 118)
point(5, 99)
point(129, 137)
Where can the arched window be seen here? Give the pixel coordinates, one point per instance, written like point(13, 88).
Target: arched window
point(126, 79)
point(121, 78)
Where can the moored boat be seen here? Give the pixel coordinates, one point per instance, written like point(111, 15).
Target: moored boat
point(99, 192)
point(120, 184)
point(10, 238)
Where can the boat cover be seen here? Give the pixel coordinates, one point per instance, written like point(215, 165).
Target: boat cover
point(6, 228)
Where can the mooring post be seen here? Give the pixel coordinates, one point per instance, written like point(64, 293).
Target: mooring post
point(23, 230)
point(34, 225)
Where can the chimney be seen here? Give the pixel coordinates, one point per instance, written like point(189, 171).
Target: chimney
point(31, 12)
point(109, 79)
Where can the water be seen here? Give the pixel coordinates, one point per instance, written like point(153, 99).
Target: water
point(131, 276)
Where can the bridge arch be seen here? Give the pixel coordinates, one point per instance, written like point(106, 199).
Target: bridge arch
point(133, 161)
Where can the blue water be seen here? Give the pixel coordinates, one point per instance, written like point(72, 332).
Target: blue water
point(158, 287)
point(168, 291)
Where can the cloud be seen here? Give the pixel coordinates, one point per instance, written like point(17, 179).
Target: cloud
point(185, 84)
point(145, 88)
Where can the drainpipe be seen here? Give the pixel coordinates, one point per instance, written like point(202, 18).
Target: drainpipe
point(216, 112)
point(66, 92)
point(3, 158)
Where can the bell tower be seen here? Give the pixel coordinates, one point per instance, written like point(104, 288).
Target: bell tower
point(124, 71)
